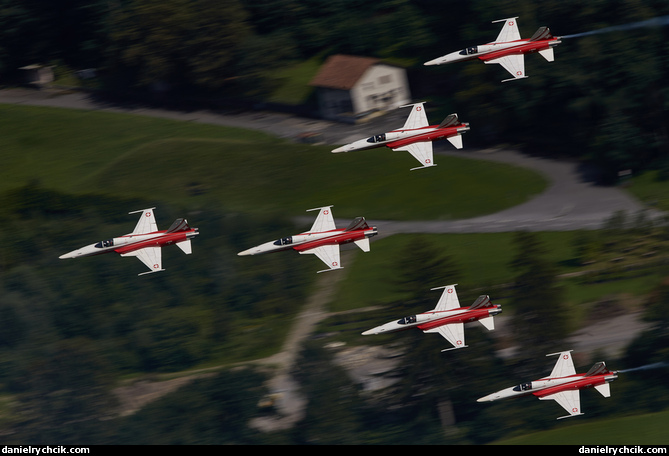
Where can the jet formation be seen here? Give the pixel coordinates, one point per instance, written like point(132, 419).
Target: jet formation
point(322, 240)
point(144, 242)
point(563, 385)
point(415, 136)
point(447, 318)
point(508, 49)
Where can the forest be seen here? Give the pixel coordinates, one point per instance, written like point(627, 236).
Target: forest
point(603, 101)
point(74, 331)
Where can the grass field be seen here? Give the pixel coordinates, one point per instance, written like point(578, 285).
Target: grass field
point(246, 171)
point(651, 189)
point(647, 429)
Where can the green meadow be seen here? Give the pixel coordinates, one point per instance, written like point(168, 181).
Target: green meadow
point(242, 170)
point(644, 429)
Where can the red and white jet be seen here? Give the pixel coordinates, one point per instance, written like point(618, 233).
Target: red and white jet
point(508, 49)
point(415, 136)
point(322, 240)
point(562, 385)
point(447, 319)
point(144, 242)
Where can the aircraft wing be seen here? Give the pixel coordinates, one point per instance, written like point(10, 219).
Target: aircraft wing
point(564, 365)
point(421, 151)
point(150, 256)
point(449, 298)
point(454, 333)
point(514, 64)
point(146, 223)
point(417, 118)
point(570, 400)
point(324, 220)
point(509, 30)
point(328, 254)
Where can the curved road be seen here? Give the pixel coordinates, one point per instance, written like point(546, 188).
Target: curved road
point(569, 203)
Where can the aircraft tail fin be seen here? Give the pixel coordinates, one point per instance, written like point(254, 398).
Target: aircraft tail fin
point(179, 224)
point(449, 121)
point(543, 33)
point(597, 369)
point(481, 301)
point(359, 223)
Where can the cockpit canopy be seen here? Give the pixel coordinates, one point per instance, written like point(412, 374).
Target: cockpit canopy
point(377, 138)
point(284, 241)
point(107, 243)
point(407, 320)
point(469, 51)
point(523, 387)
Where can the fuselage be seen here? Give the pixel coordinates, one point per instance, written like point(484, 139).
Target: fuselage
point(492, 51)
point(310, 240)
point(430, 320)
point(547, 386)
point(132, 242)
point(398, 138)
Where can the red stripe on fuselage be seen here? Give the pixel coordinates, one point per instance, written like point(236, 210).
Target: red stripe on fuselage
point(342, 238)
point(463, 317)
point(158, 241)
point(437, 134)
point(578, 383)
point(527, 48)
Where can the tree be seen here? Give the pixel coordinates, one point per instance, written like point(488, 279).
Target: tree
point(539, 321)
point(178, 44)
point(420, 267)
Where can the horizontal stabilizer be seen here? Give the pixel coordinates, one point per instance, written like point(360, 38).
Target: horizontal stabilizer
point(363, 244)
point(185, 246)
point(604, 389)
point(548, 54)
point(456, 141)
point(488, 322)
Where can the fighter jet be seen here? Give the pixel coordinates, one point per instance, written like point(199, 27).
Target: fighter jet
point(322, 240)
point(415, 136)
point(562, 385)
point(447, 319)
point(508, 49)
point(144, 242)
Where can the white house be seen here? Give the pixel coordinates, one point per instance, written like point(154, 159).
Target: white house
point(351, 87)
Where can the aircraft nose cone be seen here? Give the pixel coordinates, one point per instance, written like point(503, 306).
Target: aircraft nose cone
point(369, 332)
point(244, 253)
point(339, 149)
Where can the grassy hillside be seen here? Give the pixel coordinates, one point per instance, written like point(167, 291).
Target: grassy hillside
point(247, 171)
point(646, 429)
